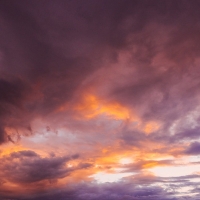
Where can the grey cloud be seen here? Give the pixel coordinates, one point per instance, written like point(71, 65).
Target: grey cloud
point(193, 149)
point(132, 188)
point(28, 167)
point(110, 191)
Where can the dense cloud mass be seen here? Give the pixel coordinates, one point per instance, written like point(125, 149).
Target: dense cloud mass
point(99, 99)
point(27, 167)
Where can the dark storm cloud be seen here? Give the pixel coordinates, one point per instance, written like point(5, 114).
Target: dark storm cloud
point(41, 66)
point(28, 167)
point(166, 84)
point(48, 48)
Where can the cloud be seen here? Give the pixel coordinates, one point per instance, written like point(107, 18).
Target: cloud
point(109, 79)
point(127, 189)
point(37, 75)
point(53, 57)
point(193, 149)
point(24, 167)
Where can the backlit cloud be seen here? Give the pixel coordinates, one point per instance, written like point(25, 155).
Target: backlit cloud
point(99, 100)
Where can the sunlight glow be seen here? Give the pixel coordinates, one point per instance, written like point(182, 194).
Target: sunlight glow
point(175, 171)
point(125, 161)
point(103, 177)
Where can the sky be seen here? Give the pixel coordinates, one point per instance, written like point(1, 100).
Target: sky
point(99, 100)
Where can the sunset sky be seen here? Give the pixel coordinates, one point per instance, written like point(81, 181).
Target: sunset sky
point(99, 100)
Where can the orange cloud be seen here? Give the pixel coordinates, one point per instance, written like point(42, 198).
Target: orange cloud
point(91, 106)
point(151, 127)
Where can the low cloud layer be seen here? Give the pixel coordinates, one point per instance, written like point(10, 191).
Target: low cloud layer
point(27, 167)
